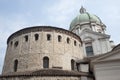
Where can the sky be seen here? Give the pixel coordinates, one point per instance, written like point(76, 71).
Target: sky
point(18, 14)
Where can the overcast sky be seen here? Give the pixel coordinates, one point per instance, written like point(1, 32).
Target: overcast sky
point(18, 14)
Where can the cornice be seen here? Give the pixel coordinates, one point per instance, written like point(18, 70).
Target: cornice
point(45, 29)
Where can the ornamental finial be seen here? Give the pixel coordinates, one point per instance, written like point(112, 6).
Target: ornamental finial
point(82, 10)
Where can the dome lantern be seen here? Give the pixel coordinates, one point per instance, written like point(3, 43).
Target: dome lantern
point(82, 10)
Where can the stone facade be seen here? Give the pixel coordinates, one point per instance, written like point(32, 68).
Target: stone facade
point(30, 53)
point(92, 33)
point(41, 78)
point(46, 78)
point(100, 42)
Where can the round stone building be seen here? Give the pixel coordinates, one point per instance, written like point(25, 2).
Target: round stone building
point(43, 51)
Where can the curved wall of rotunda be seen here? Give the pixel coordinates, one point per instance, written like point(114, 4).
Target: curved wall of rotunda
point(27, 49)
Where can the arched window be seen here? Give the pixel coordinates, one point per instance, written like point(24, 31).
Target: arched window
point(26, 38)
point(15, 65)
point(59, 38)
point(89, 49)
point(75, 43)
point(48, 37)
point(72, 64)
point(16, 44)
point(36, 37)
point(68, 40)
point(45, 62)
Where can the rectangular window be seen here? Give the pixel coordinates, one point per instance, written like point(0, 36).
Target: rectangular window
point(89, 50)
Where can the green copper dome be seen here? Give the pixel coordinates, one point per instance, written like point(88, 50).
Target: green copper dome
point(83, 18)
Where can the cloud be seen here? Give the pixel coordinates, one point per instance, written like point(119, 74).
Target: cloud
point(60, 13)
point(7, 27)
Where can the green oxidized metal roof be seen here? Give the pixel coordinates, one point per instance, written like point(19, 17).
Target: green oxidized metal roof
point(84, 17)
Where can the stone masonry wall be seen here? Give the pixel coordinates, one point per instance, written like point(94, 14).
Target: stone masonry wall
point(30, 53)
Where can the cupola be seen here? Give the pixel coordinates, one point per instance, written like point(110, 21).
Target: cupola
point(85, 18)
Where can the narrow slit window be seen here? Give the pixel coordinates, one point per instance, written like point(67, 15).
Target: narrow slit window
point(68, 40)
point(15, 65)
point(36, 37)
point(26, 38)
point(75, 43)
point(72, 64)
point(59, 38)
point(48, 37)
point(16, 44)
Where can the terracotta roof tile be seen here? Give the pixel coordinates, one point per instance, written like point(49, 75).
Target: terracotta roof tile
point(46, 72)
